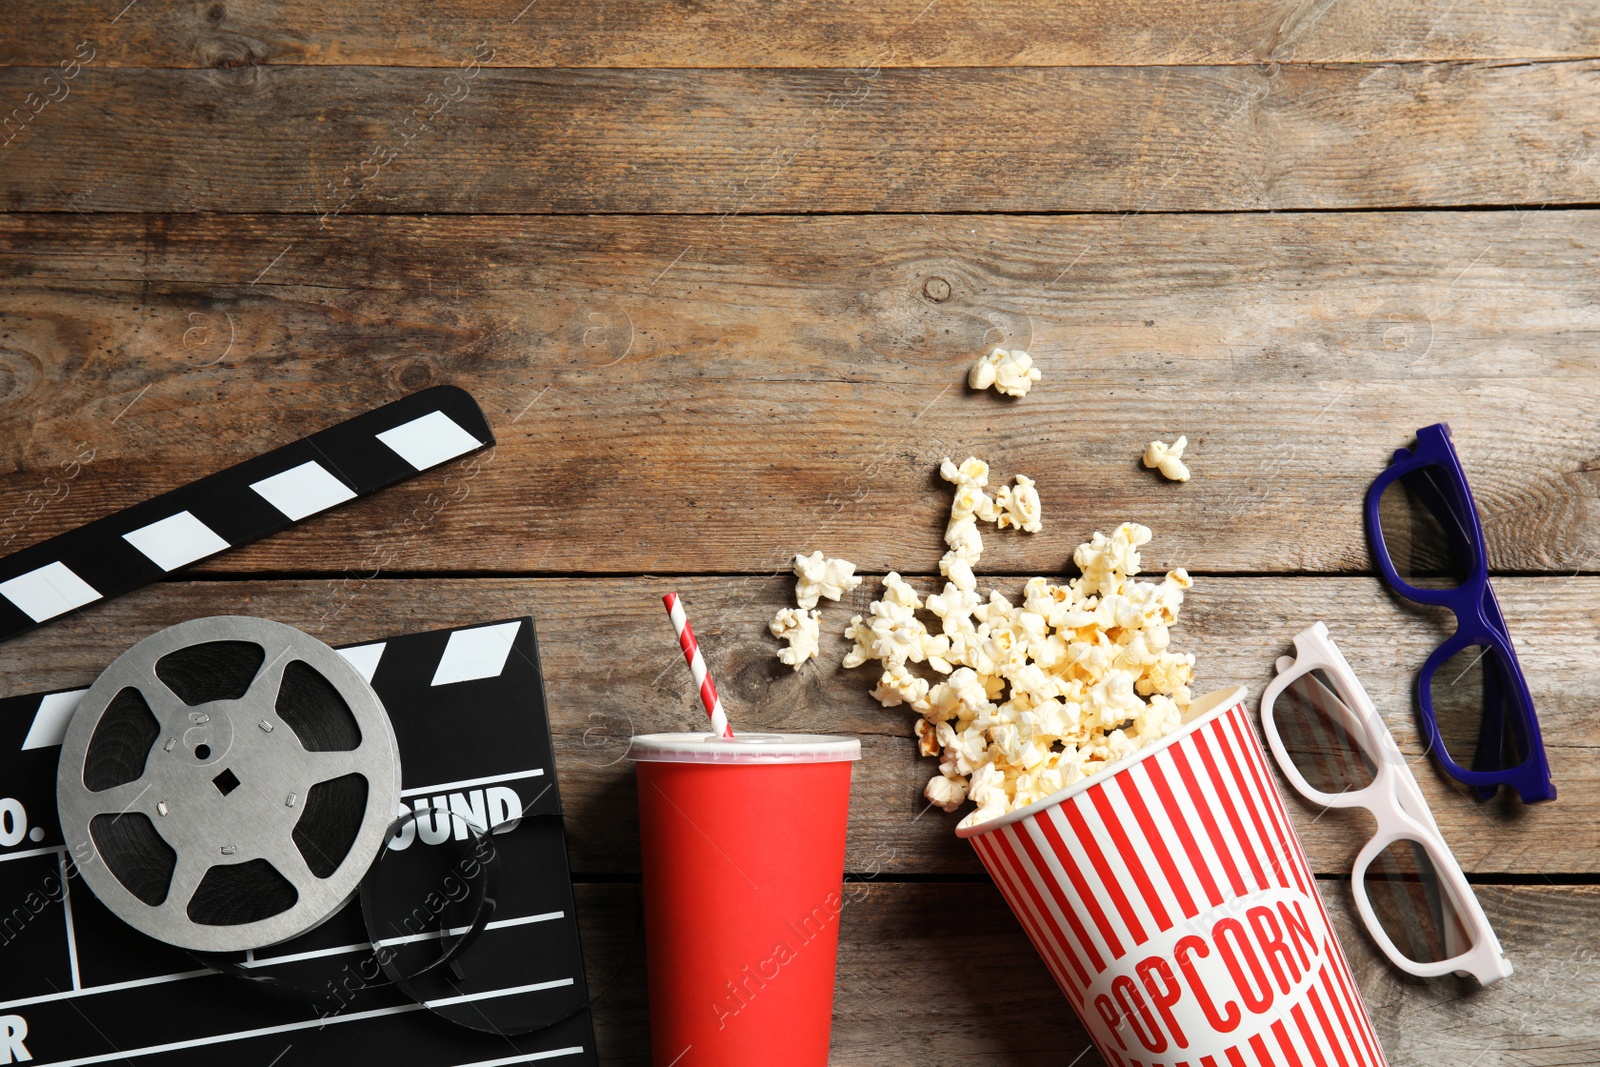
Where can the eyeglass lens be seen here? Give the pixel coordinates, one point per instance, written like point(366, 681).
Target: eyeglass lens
point(1310, 717)
point(1424, 540)
point(1478, 720)
point(1412, 905)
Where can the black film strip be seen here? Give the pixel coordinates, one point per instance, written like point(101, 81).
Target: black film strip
point(246, 502)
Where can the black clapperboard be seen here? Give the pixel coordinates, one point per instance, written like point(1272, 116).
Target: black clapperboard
point(80, 987)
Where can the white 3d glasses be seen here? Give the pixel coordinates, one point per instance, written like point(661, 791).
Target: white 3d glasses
point(1336, 751)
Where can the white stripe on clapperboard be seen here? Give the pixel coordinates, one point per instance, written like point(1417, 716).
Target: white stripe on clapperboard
point(468, 783)
point(135, 983)
point(268, 961)
point(470, 654)
point(179, 539)
point(25, 853)
point(306, 1024)
point(50, 720)
point(525, 1059)
point(66, 908)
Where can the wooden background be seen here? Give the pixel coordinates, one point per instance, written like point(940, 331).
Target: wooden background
point(715, 271)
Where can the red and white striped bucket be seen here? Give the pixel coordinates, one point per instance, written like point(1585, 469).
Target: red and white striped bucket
point(1172, 902)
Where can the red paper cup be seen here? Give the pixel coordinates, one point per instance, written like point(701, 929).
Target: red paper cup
point(1172, 902)
point(743, 845)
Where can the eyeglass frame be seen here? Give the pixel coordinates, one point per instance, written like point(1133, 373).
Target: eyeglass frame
point(1394, 800)
point(1479, 621)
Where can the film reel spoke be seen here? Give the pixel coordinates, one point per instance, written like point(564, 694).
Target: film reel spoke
point(293, 864)
point(163, 702)
point(122, 799)
point(323, 766)
point(262, 696)
point(186, 878)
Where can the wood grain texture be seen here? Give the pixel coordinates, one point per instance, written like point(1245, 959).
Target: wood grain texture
point(685, 395)
point(663, 33)
point(941, 974)
point(1112, 139)
point(612, 670)
point(643, 261)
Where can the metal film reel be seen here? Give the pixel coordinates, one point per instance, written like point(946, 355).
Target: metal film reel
point(226, 783)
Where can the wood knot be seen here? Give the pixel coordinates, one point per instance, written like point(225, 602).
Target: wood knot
point(412, 374)
point(936, 289)
point(20, 375)
point(236, 57)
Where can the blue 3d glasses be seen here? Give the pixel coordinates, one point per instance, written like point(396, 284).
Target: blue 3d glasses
point(1474, 702)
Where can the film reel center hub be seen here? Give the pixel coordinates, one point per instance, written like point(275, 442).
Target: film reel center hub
point(226, 783)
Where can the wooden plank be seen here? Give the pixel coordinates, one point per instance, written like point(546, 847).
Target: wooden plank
point(1111, 139)
point(612, 670)
point(941, 974)
point(683, 395)
point(656, 33)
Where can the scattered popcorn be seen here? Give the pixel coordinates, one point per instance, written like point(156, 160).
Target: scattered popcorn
point(1169, 459)
point(1013, 506)
point(981, 376)
point(894, 634)
point(819, 577)
point(961, 533)
point(802, 629)
point(1019, 505)
point(1009, 372)
point(1032, 696)
point(816, 577)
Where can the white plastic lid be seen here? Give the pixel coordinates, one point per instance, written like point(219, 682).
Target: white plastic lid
point(744, 748)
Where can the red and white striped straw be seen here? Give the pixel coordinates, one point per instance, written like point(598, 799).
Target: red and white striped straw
point(697, 667)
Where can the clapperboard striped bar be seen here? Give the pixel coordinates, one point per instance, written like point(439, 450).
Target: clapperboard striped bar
point(469, 713)
point(246, 502)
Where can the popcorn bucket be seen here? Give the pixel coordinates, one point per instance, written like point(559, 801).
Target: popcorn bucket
point(1171, 901)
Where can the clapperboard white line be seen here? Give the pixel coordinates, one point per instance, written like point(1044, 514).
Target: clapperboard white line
point(529, 1058)
point(468, 783)
point(490, 994)
point(307, 1024)
point(313, 954)
point(543, 917)
point(72, 937)
point(109, 987)
point(135, 983)
point(25, 853)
